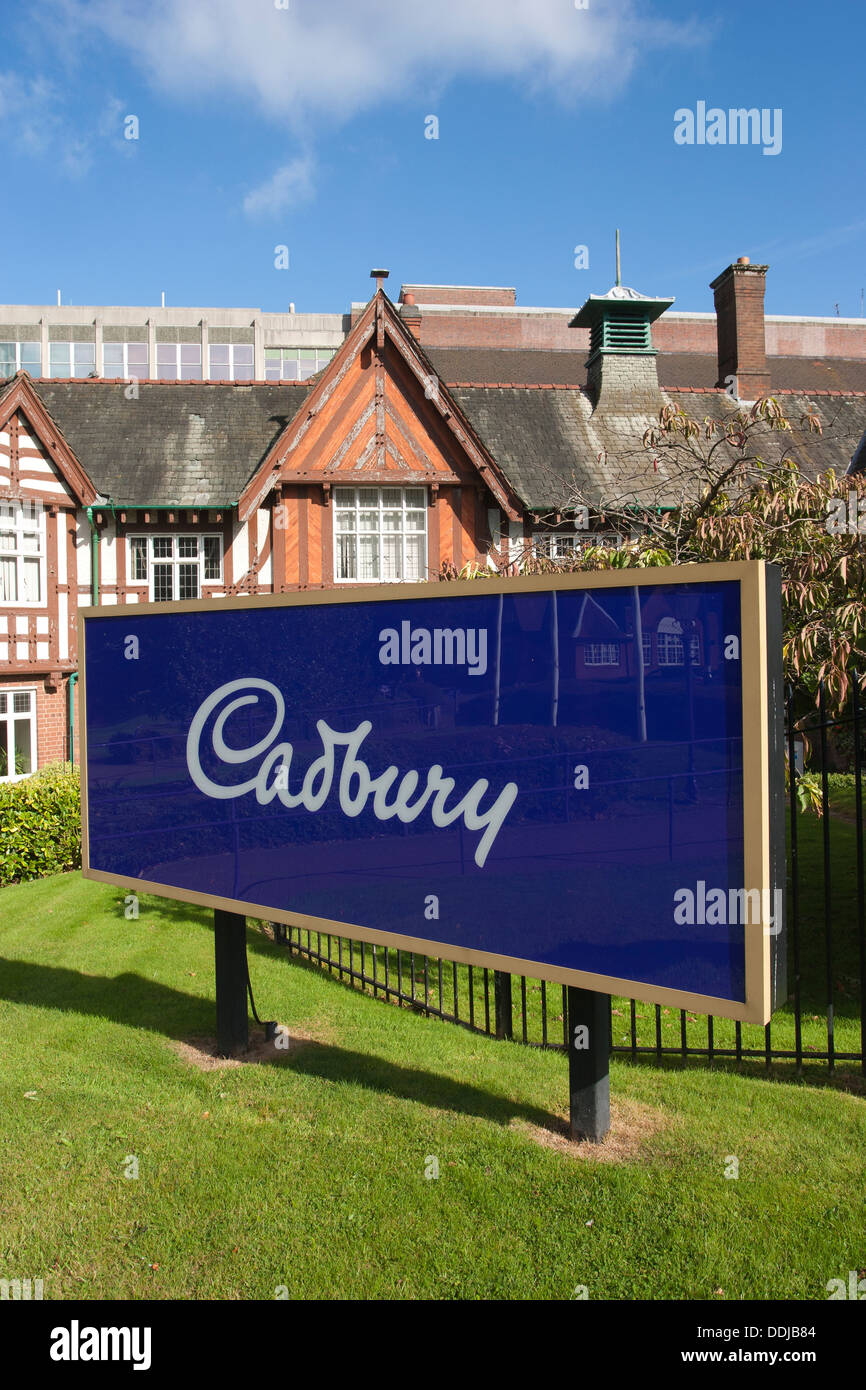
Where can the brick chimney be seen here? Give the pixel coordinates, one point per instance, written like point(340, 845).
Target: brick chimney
point(411, 315)
point(739, 298)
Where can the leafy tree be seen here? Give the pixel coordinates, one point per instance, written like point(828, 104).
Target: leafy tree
point(736, 503)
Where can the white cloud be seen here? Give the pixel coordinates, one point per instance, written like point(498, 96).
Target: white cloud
point(290, 185)
point(330, 59)
point(34, 118)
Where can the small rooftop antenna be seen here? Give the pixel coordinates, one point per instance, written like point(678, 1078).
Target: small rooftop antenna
point(58, 299)
point(618, 271)
point(163, 299)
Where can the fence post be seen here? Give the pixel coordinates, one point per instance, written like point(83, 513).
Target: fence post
point(502, 1003)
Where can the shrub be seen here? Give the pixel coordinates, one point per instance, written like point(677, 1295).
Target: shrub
point(40, 824)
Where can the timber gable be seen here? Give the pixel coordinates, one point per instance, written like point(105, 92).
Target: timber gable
point(379, 414)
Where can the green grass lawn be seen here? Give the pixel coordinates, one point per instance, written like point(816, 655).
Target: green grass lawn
point(310, 1174)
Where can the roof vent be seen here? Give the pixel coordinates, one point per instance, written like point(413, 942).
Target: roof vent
point(621, 367)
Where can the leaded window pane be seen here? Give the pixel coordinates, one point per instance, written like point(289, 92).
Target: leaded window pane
point(30, 581)
point(188, 581)
point(138, 557)
point(23, 747)
point(369, 557)
point(212, 557)
point(415, 556)
point(162, 583)
point(8, 581)
point(346, 558)
point(392, 548)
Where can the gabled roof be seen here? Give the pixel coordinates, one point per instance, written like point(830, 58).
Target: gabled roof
point(380, 323)
point(194, 444)
point(21, 395)
point(594, 624)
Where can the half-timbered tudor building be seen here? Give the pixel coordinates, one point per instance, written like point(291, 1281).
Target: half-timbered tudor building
point(408, 452)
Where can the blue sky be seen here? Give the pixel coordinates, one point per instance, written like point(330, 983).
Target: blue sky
point(302, 123)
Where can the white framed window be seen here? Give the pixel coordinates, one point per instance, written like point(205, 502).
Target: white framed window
point(601, 654)
point(17, 356)
point(124, 359)
point(17, 734)
point(672, 652)
point(295, 364)
point(178, 361)
point(72, 359)
point(22, 553)
point(174, 567)
point(608, 540)
point(380, 534)
point(647, 642)
point(230, 361)
point(554, 545)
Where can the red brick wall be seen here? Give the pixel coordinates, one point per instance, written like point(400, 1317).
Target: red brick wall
point(460, 294)
point(502, 330)
point(671, 334)
point(51, 724)
point(51, 717)
point(816, 339)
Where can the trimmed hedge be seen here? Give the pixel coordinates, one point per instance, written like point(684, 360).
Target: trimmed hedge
point(40, 824)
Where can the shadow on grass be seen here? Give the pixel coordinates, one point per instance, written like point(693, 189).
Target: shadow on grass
point(135, 1002)
point(128, 999)
point(845, 1076)
point(326, 1062)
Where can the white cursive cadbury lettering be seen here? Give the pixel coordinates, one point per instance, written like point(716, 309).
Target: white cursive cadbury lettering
point(356, 785)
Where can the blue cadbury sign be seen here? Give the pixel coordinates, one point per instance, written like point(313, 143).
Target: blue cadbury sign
point(567, 776)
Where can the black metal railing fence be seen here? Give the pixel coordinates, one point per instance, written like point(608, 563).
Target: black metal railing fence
point(823, 1020)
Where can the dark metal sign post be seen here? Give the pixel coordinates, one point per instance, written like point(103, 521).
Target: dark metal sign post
point(589, 1063)
point(230, 958)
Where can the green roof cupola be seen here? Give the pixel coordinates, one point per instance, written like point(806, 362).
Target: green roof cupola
point(621, 358)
